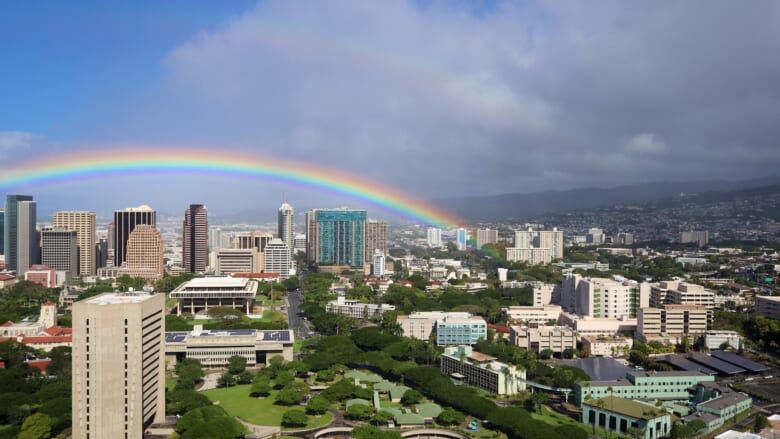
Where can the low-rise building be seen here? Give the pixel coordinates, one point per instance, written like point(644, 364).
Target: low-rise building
point(200, 294)
point(668, 385)
point(533, 314)
point(555, 338)
point(768, 306)
point(594, 326)
point(423, 325)
point(607, 346)
point(480, 370)
point(715, 339)
point(457, 329)
point(716, 405)
point(214, 347)
point(356, 309)
point(619, 415)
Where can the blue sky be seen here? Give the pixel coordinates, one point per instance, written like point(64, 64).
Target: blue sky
point(432, 97)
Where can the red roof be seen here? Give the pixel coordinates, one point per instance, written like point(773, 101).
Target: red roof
point(8, 323)
point(44, 339)
point(406, 283)
point(49, 304)
point(498, 328)
point(2, 364)
point(4, 277)
point(58, 330)
point(41, 364)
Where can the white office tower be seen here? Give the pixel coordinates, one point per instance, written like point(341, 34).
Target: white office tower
point(595, 236)
point(299, 243)
point(285, 227)
point(434, 237)
point(486, 236)
point(536, 247)
point(378, 264)
point(502, 274)
point(218, 239)
point(277, 258)
point(118, 365)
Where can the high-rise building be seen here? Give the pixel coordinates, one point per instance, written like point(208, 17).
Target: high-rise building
point(101, 252)
point(614, 298)
point(299, 243)
point(125, 222)
point(698, 237)
point(311, 236)
point(237, 260)
point(277, 258)
point(434, 237)
point(118, 365)
point(253, 240)
point(536, 247)
point(339, 237)
point(11, 230)
point(285, 227)
point(59, 250)
point(378, 263)
point(27, 247)
point(486, 236)
point(218, 239)
point(2, 231)
point(84, 225)
point(144, 253)
point(195, 231)
point(595, 236)
point(376, 239)
point(461, 238)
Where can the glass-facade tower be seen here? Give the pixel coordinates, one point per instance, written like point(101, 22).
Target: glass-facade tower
point(340, 234)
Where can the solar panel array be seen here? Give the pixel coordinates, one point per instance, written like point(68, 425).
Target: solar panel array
point(742, 362)
point(686, 364)
point(713, 363)
point(276, 335)
point(175, 337)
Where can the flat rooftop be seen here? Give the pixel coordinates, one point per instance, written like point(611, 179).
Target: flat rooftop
point(119, 298)
point(627, 407)
point(216, 282)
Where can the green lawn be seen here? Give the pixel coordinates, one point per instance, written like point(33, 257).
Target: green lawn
point(169, 302)
point(259, 411)
point(554, 418)
point(170, 382)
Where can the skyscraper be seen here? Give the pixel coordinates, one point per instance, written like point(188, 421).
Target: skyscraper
point(2, 231)
point(311, 235)
point(339, 236)
point(461, 238)
point(27, 249)
point(59, 250)
point(486, 236)
point(434, 237)
point(277, 258)
point(285, 231)
point(118, 365)
point(84, 224)
point(11, 230)
point(195, 239)
point(376, 239)
point(145, 253)
point(124, 223)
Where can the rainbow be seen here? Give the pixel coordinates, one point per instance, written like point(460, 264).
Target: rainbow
point(164, 160)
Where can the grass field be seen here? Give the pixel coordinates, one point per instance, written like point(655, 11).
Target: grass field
point(259, 411)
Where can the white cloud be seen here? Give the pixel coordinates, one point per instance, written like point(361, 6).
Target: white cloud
point(17, 141)
point(647, 143)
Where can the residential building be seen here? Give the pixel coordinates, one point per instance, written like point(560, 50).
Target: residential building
point(652, 385)
point(460, 329)
point(285, 228)
point(486, 236)
point(60, 250)
point(378, 264)
point(533, 314)
point(464, 364)
point(536, 247)
point(213, 348)
point(376, 239)
point(118, 365)
point(356, 309)
point(420, 325)
point(434, 237)
point(625, 238)
point(672, 322)
point(715, 339)
point(461, 238)
point(619, 415)
point(12, 230)
point(595, 236)
point(238, 260)
point(125, 222)
point(698, 237)
point(677, 292)
point(607, 346)
point(195, 239)
point(768, 306)
point(613, 298)
point(144, 253)
point(339, 236)
point(84, 225)
point(555, 338)
point(276, 258)
point(200, 294)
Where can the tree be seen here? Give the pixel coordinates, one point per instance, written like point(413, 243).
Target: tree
point(294, 418)
point(450, 416)
point(539, 398)
point(211, 422)
point(283, 379)
point(179, 402)
point(261, 386)
point(236, 364)
point(288, 396)
point(226, 380)
point(569, 353)
point(697, 426)
point(545, 354)
point(37, 426)
point(298, 367)
point(382, 417)
point(359, 412)
point(636, 433)
point(761, 423)
point(317, 405)
point(412, 397)
point(244, 377)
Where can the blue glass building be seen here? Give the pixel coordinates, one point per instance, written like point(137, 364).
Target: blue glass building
point(339, 237)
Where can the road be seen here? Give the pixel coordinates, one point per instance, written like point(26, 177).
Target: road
point(294, 319)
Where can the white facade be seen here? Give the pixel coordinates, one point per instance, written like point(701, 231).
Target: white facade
point(434, 237)
point(484, 371)
point(502, 274)
point(356, 309)
point(533, 314)
point(714, 339)
point(378, 264)
point(681, 293)
point(276, 258)
point(600, 346)
point(614, 298)
point(536, 247)
point(555, 338)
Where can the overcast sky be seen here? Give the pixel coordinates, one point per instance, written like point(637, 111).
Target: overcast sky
point(438, 99)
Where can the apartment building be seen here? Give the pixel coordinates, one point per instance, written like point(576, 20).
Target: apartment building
point(555, 338)
point(672, 322)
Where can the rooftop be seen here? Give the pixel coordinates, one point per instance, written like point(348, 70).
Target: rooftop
point(118, 298)
point(724, 401)
point(216, 282)
point(627, 407)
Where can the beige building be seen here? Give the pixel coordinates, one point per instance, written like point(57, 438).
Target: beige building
point(144, 253)
point(586, 325)
point(214, 348)
point(768, 306)
point(200, 294)
point(604, 346)
point(556, 338)
point(672, 322)
point(355, 309)
point(238, 260)
point(376, 239)
point(536, 247)
point(533, 314)
point(118, 365)
point(680, 293)
point(480, 370)
point(84, 225)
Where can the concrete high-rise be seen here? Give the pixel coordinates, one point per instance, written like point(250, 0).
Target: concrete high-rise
point(27, 247)
point(486, 236)
point(2, 231)
point(434, 237)
point(84, 225)
point(536, 247)
point(698, 237)
point(11, 230)
point(276, 258)
point(311, 235)
point(118, 365)
point(339, 235)
point(285, 227)
point(125, 222)
point(378, 263)
point(145, 253)
point(376, 239)
point(60, 250)
point(195, 239)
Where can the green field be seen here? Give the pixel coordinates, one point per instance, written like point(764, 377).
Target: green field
point(554, 418)
point(259, 411)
